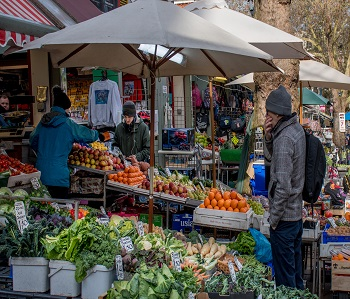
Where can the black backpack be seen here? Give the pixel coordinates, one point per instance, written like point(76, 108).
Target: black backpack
point(315, 168)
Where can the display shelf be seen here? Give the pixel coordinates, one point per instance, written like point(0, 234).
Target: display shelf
point(98, 171)
point(185, 153)
point(194, 203)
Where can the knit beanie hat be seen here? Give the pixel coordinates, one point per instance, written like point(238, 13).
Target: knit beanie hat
point(60, 99)
point(129, 109)
point(279, 101)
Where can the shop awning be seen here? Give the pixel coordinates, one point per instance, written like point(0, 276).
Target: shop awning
point(21, 22)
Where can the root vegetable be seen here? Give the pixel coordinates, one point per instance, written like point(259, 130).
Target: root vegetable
point(199, 246)
point(194, 249)
point(223, 249)
point(214, 248)
point(205, 249)
point(189, 248)
point(211, 241)
point(217, 254)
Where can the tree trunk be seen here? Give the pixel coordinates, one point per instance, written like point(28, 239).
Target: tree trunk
point(277, 14)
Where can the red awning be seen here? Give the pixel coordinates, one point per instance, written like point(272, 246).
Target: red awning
point(24, 10)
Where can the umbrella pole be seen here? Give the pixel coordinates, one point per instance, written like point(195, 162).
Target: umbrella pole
point(301, 103)
point(151, 174)
point(212, 130)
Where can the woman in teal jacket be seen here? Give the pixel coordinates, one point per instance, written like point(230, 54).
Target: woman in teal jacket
point(52, 140)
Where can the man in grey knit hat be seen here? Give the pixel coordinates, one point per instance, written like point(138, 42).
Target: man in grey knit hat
point(284, 150)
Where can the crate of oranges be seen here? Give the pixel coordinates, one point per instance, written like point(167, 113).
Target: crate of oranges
point(228, 209)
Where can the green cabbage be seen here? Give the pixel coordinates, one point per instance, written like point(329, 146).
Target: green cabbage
point(5, 191)
point(20, 192)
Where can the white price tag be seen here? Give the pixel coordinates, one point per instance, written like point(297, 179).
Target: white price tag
point(238, 263)
point(176, 261)
point(35, 183)
point(200, 239)
point(232, 271)
point(190, 295)
point(140, 229)
point(167, 171)
point(55, 206)
point(69, 206)
point(221, 190)
point(21, 217)
point(104, 221)
point(156, 171)
point(119, 267)
point(202, 186)
point(342, 220)
point(332, 222)
point(126, 243)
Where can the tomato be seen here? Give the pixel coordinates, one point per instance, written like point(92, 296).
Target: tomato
point(80, 215)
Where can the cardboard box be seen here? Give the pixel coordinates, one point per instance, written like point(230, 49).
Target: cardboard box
point(22, 179)
point(222, 219)
point(178, 139)
point(157, 219)
point(183, 222)
point(340, 276)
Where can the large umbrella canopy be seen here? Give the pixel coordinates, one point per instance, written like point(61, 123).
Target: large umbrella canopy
point(311, 74)
point(113, 39)
point(312, 98)
point(274, 41)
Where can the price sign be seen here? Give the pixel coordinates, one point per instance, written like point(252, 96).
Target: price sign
point(119, 267)
point(55, 206)
point(232, 271)
point(202, 186)
point(221, 190)
point(140, 229)
point(69, 206)
point(167, 171)
point(342, 220)
point(190, 295)
point(332, 222)
point(104, 220)
point(35, 183)
point(156, 171)
point(176, 261)
point(238, 263)
point(126, 243)
point(200, 239)
point(21, 217)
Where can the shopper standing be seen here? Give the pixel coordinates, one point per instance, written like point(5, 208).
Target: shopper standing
point(52, 140)
point(284, 149)
point(4, 108)
point(132, 135)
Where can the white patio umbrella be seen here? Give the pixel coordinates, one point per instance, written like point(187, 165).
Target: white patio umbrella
point(113, 40)
point(272, 40)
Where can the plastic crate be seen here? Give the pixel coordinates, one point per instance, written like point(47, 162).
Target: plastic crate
point(259, 176)
point(338, 239)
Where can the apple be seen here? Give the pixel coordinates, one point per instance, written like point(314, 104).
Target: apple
point(82, 164)
point(176, 194)
point(70, 157)
point(184, 189)
point(180, 189)
point(88, 165)
point(93, 166)
point(87, 160)
point(91, 156)
point(160, 188)
point(171, 193)
point(174, 189)
point(167, 191)
point(76, 158)
point(77, 162)
point(98, 167)
point(72, 162)
point(166, 187)
point(118, 160)
point(328, 214)
point(92, 162)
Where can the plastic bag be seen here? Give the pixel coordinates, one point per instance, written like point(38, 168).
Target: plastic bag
point(262, 250)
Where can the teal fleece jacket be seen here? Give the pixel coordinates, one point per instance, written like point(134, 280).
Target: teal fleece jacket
point(52, 140)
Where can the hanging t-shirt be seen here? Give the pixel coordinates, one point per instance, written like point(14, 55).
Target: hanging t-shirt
point(104, 102)
point(132, 88)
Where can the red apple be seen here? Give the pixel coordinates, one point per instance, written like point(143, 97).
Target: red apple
point(328, 214)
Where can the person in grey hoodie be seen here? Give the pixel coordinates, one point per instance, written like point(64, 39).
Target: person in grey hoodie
point(284, 150)
point(132, 135)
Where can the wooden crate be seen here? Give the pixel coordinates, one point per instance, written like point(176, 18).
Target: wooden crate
point(340, 276)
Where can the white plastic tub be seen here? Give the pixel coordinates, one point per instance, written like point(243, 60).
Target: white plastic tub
point(30, 274)
point(98, 281)
point(62, 279)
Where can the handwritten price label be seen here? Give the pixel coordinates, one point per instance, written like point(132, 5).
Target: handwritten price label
point(35, 183)
point(69, 206)
point(200, 239)
point(238, 263)
point(126, 243)
point(176, 261)
point(332, 222)
point(103, 211)
point(342, 220)
point(21, 217)
point(55, 206)
point(232, 271)
point(202, 186)
point(190, 295)
point(167, 171)
point(104, 221)
point(156, 171)
point(119, 267)
point(140, 229)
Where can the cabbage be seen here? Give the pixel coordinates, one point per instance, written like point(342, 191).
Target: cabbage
point(20, 192)
point(5, 191)
point(115, 220)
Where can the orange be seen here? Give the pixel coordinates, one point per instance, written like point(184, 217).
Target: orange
point(207, 202)
point(223, 208)
point(227, 203)
point(211, 195)
point(218, 196)
point(209, 207)
point(243, 210)
point(235, 210)
point(214, 190)
point(347, 216)
point(340, 256)
point(111, 176)
point(233, 195)
point(214, 203)
point(226, 195)
point(221, 203)
point(229, 209)
point(242, 204)
point(239, 196)
point(202, 205)
point(234, 203)
point(248, 206)
point(216, 208)
point(335, 257)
